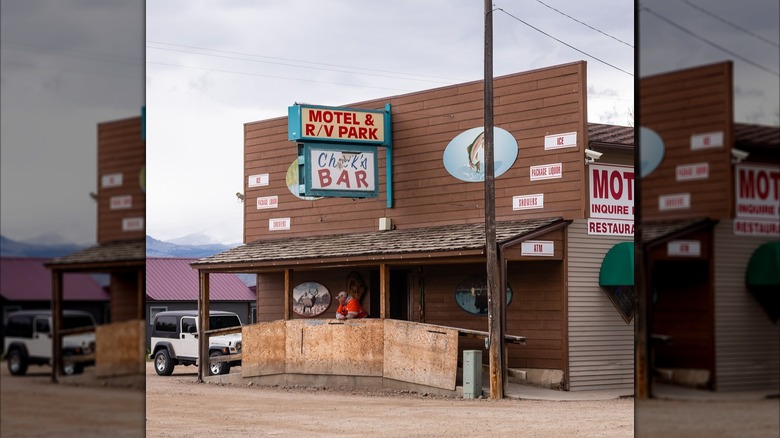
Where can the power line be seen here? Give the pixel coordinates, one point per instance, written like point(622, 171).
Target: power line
point(727, 22)
point(438, 78)
point(584, 24)
point(683, 29)
point(565, 43)
point(275, 77)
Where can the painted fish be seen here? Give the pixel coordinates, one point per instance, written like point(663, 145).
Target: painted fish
point(474, 150)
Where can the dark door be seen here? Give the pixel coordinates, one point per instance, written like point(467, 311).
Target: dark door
point(399, 294)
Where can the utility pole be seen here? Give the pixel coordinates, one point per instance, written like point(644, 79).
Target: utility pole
point(495, 328)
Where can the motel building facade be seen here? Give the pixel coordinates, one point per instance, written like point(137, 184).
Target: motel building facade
point(385, 199)
point(710, 231)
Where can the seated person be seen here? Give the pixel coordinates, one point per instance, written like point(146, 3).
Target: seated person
point(349, 308)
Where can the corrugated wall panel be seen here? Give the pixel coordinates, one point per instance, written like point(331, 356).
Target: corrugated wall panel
point(747, 344)
point(601, 344)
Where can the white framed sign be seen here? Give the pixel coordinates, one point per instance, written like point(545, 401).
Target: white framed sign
point(688, 172)
point(611, 192)
point(121, 202)
point(264, 202)
point(559, 141)
point(610, 227)
point(258, 180)
point(111, 180)
point(707, 140)
point(677, 201)
point(546, 171)
point(528, 202)
point(133, 224)
point(544, 248)
point(279, 224)
point(684, 248)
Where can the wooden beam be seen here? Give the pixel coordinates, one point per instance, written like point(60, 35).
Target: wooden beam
point(384, 290)
point(141, 294)
point(288, 296)
point(56, 319)
point(203, 326)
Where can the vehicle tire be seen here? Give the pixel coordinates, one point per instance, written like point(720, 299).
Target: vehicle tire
point(163, 364)
point(17, 363)
point(218, 368)
point(69, 368)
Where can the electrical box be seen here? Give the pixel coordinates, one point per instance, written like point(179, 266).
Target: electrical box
point(472, 373)
point(385, 224)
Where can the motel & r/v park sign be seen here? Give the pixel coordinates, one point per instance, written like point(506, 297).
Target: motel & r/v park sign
point(318, 123)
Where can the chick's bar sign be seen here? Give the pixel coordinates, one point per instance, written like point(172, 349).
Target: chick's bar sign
point(757, 200)
point(336, 124)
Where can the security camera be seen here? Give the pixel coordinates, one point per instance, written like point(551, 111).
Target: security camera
point(739, 155)
point(593, 155)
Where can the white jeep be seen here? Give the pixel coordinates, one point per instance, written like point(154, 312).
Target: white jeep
point(175, 340)
point(28, 340)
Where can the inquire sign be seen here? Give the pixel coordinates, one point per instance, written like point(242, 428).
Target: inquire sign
point(757, 200)
point(611, 190)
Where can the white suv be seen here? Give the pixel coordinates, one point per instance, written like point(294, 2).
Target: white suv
point(28, 340)
point(175, 340)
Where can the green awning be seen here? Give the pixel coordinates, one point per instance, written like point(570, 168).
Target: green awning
point(764, 266)
point(617, 268)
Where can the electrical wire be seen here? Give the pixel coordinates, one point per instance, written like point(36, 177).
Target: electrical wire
point(727, 22)
point(584, 24)
point(683, 29)
point(564, 43)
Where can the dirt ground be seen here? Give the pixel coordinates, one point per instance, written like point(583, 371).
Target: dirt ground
point(176, 406)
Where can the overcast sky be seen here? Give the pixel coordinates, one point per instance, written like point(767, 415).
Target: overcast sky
point(212, 66)
point(676, 34)
point(67, 65)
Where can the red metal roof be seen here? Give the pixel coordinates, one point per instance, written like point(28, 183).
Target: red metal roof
point(173, 279)
point(26, 279)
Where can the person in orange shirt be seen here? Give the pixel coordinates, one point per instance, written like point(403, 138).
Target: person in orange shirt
point(349, 308)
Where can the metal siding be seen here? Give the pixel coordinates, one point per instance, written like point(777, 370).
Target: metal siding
point(747, 351)
point(601, 344)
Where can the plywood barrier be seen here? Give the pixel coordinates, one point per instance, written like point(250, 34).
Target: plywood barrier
point(422, 354)
point(352, 348)
point(263, 349)
point(120, 349)
point(403, 351)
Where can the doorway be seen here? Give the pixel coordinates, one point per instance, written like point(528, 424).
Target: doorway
point(399, 294)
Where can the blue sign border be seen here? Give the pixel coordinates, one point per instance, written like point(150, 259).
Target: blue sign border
point(304, 155)
point(295, 125)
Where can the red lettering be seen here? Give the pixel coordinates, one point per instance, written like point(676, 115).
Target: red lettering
point(343, 131)
point(328, 130)
point(559, 141)
point(343, 178)
point(315, 116)
point(325, 179)
point(372, 134)
point(537, 247)
point(310, 129)
point(362, 133)
point(600, 181)
point(327, 117)
point(360, 177)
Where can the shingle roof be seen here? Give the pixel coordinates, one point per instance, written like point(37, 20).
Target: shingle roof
point(747, 136)
point(376, 243)
point(26, 279)
point(657, 231)
point(173, 279)
point(611, 134)
point(112, 253)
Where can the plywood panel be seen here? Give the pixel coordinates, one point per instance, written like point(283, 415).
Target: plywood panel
point(120, 349)
point(263, 349)
point(352, 348)
point(422, 354)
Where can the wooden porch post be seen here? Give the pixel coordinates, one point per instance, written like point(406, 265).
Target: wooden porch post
point(141, 294)
point(56, 317)
point(203, 325)
point(288, 296)
point(384, 290)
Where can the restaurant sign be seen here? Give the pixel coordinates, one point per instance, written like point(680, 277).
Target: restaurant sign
point(611, 190)
point(757, 200)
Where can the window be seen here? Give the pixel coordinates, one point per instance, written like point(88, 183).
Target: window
point(19, 326)
point(7, 310)
point(42, 325)
point(219, 322)
point(154, 310)
point(166, 324)
point(254, 314)
point(188, 325)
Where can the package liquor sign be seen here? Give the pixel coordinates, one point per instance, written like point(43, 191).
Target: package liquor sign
point(337, 170)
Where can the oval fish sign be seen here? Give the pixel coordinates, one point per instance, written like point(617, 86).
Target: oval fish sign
point(465, 154)
point(651, 150)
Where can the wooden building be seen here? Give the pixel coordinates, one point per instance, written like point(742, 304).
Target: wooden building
point(120, 251)
point(710, 231)
point(414, 253)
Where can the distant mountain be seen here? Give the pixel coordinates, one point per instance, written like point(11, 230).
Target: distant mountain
point(194, 239)
point(158, 248)
point(14, 248)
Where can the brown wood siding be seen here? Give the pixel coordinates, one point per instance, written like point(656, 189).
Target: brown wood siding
point(124, 296)
point(528, 105)
point(120, 150)
point(676, 106)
